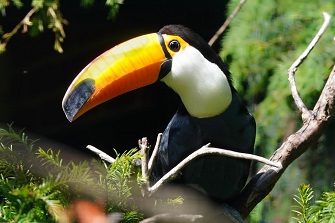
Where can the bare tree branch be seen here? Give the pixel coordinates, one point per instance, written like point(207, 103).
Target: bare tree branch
point(306, 114)
point(206, 150)
point(25, 22)
point(144, 147)
point(104, 156)
point(295, 145)
point(154, 152)
point(226, 23)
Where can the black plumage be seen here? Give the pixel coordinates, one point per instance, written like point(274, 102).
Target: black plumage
point(221, 178)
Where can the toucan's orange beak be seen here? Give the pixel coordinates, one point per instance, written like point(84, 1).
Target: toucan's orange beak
point(128, 66)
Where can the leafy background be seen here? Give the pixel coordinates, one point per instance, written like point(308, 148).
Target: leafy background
point(259, 54)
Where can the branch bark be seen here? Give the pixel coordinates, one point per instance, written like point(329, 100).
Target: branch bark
point(154, 153)
point(104, 156)
point(291, 71)
point(206, 150)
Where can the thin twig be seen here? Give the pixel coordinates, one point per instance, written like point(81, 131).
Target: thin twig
point(226, 23)
point(154, 153)
point(101, 154)
point(144, 146)
point(247, 156)
point(206, 150)
point(306, 114)
point(24, 22)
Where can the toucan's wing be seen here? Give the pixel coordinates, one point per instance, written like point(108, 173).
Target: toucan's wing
point(180, 138)
point(221, 177)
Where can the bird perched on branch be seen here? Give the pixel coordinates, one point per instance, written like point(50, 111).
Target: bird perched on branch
point(210, 112)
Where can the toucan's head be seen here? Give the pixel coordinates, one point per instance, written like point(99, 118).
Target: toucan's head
point(174, 55)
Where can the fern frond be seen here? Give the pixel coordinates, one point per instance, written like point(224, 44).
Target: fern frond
point(49, 158)
point(303, 199)
point(54, 200)
point(31, 195)
point(119, 180)
point(29, 202)
point(78, 173)
point(324, 207)
point(322, 210)
point(68, 175)
point(13, 147)
point(132, 216)
point(10, 138)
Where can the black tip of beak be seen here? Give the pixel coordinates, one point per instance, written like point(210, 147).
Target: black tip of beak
point(78, 97)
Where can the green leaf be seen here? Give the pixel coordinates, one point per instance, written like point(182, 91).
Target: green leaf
point(49, 157)
point(303, 199)
point(113, 7)
point(31, 195)
point(17, 3)
point(307, 211)
point(37, 3)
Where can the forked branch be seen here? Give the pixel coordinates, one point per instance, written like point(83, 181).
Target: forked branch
point(306, 114)
point(296, 144)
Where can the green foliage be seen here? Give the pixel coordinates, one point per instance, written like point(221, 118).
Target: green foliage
point(303, 199)
point(176, 201)
point(29, 202)
point(25, 197)
point(112, 4)
point(6, 3)
point(11, 163)
point(36, 185)
point(43, 14)
point(118, 180)
point(113, 7)
point(259, 54)
point(46, 15)
point(256, 214)
point(307, 211)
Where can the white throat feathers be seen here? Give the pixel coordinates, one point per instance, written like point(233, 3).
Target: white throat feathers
point(201, 85)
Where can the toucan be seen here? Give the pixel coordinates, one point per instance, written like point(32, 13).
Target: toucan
point(210, 111)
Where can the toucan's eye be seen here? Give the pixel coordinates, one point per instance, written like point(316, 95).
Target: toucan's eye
point(174, 45)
